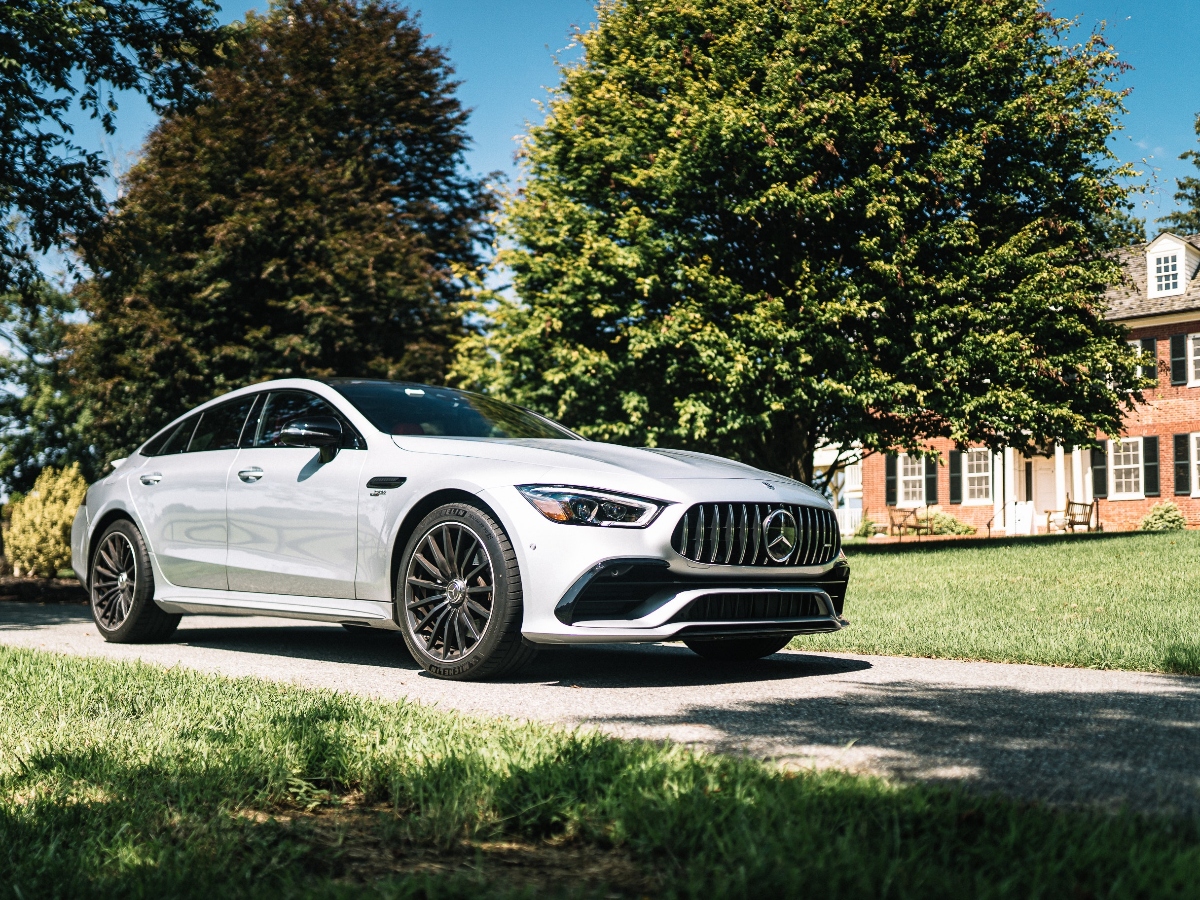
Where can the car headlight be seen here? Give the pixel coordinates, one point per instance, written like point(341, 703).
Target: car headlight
point(582, 506)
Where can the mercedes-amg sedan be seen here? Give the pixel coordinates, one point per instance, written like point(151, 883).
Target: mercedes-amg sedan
point(477, 529)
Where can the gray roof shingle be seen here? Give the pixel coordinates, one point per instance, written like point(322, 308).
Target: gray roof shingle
point(1129, 300)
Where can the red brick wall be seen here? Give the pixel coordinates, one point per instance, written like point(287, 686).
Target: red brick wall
point(1168, 410)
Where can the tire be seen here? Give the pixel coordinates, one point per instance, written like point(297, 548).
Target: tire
point(738, 649)
point(458, 596)
point(121, 589)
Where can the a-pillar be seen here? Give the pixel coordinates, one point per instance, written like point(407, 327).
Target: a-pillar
point(1060, 478)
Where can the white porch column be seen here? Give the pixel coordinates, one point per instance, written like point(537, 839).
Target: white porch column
point(1077, 475)
point(997, 492)
point(1010, 484)
point(1060, 478)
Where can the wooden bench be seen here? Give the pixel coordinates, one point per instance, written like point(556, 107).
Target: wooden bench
point(1076, 517)
point(909, 521)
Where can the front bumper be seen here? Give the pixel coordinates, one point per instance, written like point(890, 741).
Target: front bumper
point(644, 600)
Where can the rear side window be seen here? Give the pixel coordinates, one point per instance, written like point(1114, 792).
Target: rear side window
point(220, 428)
point(283, 406)
point(172, 440)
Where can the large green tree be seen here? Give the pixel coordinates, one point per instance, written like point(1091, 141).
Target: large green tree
point(39, 420)
point(54, 53)
point(758, 226)
point(311, 217)
point(1187, 219)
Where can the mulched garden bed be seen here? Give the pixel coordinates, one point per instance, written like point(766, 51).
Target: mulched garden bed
point(42, 590)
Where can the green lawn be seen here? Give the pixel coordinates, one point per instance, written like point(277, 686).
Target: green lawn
point(1120, 601)
point(127, 780)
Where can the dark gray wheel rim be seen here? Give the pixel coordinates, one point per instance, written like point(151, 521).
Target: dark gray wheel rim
point(114, 581)
point(449, 591)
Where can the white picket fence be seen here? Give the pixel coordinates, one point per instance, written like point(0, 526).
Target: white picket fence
point(848, 520)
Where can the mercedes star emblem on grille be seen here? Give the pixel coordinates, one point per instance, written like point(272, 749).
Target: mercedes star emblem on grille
point(779, 534)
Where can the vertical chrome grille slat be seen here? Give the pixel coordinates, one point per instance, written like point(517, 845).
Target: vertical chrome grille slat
point(732, 534)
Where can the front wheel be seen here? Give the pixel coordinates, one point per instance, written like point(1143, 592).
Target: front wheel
point(738, 649)
point(122, 589)
point(458, 596)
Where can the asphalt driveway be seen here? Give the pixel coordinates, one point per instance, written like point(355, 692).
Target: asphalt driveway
point(1062, 735)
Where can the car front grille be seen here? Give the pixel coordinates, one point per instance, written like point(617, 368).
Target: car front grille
point(751, 607)
point(731, 534)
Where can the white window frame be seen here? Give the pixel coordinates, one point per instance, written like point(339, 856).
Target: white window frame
point(1192, 355)
point(1113, 493)
point(984, 476)
point(902, 460)
point(1194, 461)
point(1174, 261)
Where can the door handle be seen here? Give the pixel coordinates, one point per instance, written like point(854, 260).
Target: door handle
point(250, 475)
point(151, 478)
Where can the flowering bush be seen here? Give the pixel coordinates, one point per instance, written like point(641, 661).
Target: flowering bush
point(39, 534)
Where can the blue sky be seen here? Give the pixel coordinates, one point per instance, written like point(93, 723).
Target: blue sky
point(504, 54)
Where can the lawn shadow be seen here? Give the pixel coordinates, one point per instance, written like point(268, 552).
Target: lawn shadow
point(1114, 748)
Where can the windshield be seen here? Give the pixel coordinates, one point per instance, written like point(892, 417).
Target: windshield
point(397, 408)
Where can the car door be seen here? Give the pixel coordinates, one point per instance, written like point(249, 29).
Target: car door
point(180, 494)
point(293, 519)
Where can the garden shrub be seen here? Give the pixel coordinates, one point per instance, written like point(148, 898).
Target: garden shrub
point(1163, 517)
point(866, 528)
point(944, 523)
point(39, 535)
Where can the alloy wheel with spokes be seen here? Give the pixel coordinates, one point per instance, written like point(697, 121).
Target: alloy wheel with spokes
point(114, 581)
point(122, 587)
point(450, 590)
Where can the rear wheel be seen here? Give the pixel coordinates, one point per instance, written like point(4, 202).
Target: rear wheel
point(122, 589)
point(458, 597)
point(738, 649)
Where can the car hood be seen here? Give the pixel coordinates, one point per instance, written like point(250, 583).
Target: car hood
point(661, 465)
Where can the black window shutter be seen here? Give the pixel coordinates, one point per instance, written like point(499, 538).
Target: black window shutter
point(1179, 359)
point(1150, 466)
point(1183, 467)
point(889, 480)
point(1150, 357)
point(1099, 472)
point(1029, 481)
point(956, 476)
point(930, 481)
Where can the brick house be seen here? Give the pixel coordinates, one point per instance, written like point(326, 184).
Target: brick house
point(1156, 458)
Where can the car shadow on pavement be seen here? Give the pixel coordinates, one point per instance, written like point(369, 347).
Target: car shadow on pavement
point(1113, 748)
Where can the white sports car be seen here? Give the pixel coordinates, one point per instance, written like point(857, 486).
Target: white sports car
point(477, 529)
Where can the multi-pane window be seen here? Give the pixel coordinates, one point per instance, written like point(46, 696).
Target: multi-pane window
point(1166, 273)
point(1193, 359)
point(912, 481)
point(979, 475)
point(1127, 466)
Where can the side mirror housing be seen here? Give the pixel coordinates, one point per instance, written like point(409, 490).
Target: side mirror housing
point(323, 432)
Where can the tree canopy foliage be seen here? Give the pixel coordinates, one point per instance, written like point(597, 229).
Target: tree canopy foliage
point(39, 416)
point(758, 226)
point(54, 51)
point(1187, 220)
point(310, 216)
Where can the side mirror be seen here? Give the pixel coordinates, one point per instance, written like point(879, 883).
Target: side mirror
point(323, 432)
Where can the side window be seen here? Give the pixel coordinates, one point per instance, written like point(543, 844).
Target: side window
point(175, 440)
point(221, 427)
point(283, 406)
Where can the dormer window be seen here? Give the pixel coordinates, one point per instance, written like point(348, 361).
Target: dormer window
point(1166, 273)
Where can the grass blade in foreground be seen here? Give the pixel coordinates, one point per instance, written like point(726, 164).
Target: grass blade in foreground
point(130, 780)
